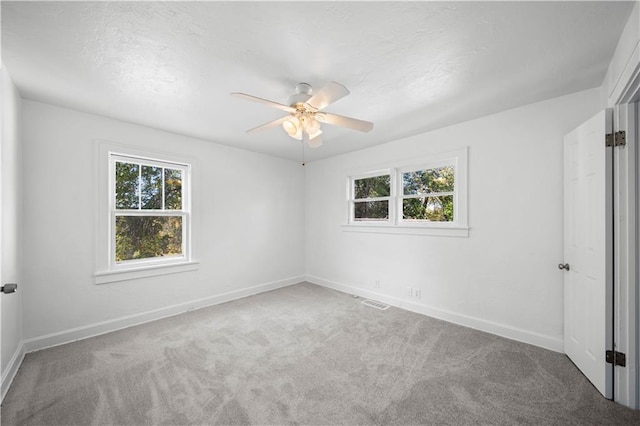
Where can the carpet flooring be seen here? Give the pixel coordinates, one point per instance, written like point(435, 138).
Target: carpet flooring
point(303, 354)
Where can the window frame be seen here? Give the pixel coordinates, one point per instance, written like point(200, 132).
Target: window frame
point(396, 223)
point(107, 270)
point(184, 212)
point(401, 196)
point(353, 200)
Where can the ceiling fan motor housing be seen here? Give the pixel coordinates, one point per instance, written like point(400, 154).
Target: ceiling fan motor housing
point(302, 95)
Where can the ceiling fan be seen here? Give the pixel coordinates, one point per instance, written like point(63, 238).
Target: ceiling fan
point(306, 115)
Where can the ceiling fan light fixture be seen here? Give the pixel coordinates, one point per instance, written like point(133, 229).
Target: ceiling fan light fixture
point(311, 125)
point(292, 126)
point(315, 142)
point(314, 134)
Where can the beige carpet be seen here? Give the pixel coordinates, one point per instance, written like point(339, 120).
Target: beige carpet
point(303, 355)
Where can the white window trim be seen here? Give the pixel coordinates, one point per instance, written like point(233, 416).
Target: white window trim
point(396, 225)
point(106, 268)
point(105, 277)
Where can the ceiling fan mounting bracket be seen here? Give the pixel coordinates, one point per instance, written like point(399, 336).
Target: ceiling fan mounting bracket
point(302, 95)
point(304, 88)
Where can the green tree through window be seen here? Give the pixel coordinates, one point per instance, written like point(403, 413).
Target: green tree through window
point(417, 196)
point(371, 198)
point(149, 216)
point(428, 194)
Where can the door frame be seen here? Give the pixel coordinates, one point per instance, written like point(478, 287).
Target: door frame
point(626, 328)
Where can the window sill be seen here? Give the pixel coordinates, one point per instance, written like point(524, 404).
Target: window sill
point(144, 272)
point(442, 231)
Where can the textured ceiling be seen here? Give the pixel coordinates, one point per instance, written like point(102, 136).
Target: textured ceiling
point(410, 66)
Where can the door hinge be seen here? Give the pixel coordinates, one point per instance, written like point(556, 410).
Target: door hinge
point(608, 140)
point(616, 358)
point(620, 138)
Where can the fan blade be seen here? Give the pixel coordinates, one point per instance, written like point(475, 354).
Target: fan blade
point(327, 95)
point(315, 142)
point(264, 101)
point(340, 120)
point(269, 125)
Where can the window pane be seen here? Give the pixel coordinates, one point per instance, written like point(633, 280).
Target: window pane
point(127, 185)
point(377, 186)
point(144, 237)
point(172, 189)
point(151, 187)
point(428, 181)
point(371, 210)
point(435, 209)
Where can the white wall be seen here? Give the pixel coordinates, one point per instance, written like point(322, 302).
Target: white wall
point(503, 278)
point(250, 233)
point(10, 354)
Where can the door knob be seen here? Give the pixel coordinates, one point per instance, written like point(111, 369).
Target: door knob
point(564, 266)
point(9, 288)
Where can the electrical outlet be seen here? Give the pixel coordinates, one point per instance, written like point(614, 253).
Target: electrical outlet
point(376, 284)
point(415, 293)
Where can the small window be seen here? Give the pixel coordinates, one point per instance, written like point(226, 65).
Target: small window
point(149, 211)
point(371, 197)
point(428, 194)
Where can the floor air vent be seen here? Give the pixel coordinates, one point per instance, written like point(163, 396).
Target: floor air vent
point(374, 304)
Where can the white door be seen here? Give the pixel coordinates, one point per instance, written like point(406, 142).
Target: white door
point(1, 258)
point(588, 250)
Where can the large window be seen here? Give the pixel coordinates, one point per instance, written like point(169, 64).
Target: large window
point(149, 210)
point(427, 196)
point(144, 225)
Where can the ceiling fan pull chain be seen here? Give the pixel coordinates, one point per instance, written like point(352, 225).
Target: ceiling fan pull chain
point(303, 162)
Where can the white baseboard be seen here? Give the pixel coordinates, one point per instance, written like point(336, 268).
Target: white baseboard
point(91, 330)
point(67, 336)
point(10, 372)
point(536, 339)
